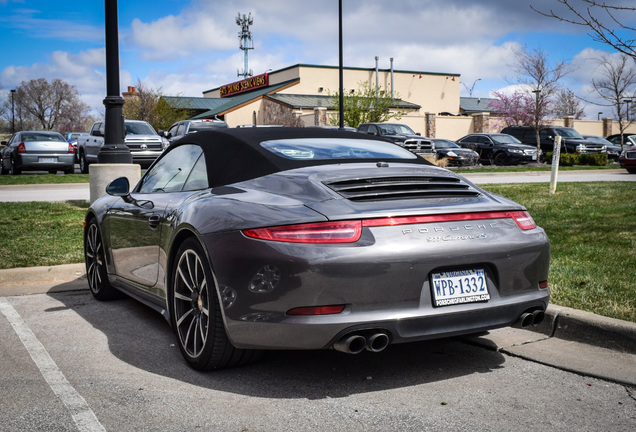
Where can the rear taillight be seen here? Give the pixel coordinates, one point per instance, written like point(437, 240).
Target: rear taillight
point(321, 232)
point(350, 231)
point(71, 149)
point(522, 218)
point(21, 148)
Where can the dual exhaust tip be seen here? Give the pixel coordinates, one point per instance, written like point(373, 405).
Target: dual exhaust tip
point(530, 318)
point(355, 343)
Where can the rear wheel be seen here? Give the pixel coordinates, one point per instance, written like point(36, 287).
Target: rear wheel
point(13, 169)
point(94, 257)
point(83, 163)
point(196, 314)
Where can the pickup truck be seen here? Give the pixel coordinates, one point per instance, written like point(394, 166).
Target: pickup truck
point(401, 135)
point(142, 140)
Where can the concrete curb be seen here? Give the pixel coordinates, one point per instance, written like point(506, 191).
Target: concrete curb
point(560, 322)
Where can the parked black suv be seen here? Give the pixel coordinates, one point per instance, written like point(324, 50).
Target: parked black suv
point(499, 149)
point(183, 127)
point(571, 140)
point(399, 134)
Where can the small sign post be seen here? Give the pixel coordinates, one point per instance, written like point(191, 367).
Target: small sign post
point(556, 156)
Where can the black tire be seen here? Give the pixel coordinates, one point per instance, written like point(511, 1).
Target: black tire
point(52, 171)
point(13, 170)
point(501, 159)
point(95, 259)
point(83, 163)
point(70, 170)
point(631, 170)
point(196, 315)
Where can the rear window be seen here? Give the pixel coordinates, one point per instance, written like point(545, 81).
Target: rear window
point(335, 148)
point(199, 126)
point(34, 136)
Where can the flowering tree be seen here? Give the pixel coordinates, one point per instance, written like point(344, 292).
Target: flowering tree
point(517, 109)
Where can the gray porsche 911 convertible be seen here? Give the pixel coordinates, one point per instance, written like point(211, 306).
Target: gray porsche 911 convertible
point(278, 238)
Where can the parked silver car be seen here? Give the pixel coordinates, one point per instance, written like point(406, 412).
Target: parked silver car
point(38, 151)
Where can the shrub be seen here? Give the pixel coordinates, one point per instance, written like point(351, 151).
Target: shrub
point(571, 159)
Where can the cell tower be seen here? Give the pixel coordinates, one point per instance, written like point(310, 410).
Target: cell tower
point(245, 35)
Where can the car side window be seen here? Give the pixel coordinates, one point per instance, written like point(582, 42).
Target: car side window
point(172, 171)
point(173, 131)
point(198, 178)
point(181, 129)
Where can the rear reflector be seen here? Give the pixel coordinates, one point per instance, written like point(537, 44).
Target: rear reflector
point(543, 284)
point(316, 310)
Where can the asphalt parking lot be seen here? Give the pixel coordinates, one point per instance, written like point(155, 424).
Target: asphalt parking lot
point(70, 362)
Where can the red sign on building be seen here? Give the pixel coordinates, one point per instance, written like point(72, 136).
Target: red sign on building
point(248, 84)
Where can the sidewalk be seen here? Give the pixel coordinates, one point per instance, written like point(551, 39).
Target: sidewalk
point(568, 339)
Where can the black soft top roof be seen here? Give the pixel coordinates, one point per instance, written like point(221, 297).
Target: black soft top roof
point(235, 154)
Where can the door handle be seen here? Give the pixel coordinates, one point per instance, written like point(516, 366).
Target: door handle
point(153, 221)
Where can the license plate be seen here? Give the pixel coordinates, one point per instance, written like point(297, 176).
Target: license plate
point(459, 286)
point(48, 160)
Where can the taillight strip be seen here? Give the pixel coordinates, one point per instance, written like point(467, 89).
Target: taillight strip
point(350, 231)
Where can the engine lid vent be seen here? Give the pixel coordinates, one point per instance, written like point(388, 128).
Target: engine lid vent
point(393, 188)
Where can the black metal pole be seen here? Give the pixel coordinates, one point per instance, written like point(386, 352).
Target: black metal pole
point(12, 112)
point(114, 149)
point(341, 88)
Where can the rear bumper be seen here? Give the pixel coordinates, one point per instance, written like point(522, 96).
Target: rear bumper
point(45, 161)
point(384, 284)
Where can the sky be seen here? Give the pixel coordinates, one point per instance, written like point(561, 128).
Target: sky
point(185, 47)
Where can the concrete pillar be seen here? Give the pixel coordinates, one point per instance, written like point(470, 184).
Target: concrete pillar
point(607, 126)
point(430, 125)
point(320, 116)
point(481, 122)
point(100, 175)
point(568, 121)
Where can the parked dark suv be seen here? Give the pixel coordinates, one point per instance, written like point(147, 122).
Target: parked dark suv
point(399, 134)
point(183, 127)
point(571, 140)
point(499, 149)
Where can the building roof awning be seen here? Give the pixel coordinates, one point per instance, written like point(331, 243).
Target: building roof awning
point(298, 101)
point(476, 105)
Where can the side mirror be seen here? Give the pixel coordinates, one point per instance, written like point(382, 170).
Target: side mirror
point(98, 133)
point(418, 134)
point(118, 187)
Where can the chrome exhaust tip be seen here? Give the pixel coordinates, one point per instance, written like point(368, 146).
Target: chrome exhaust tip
point(377, 342)
point(351, 344)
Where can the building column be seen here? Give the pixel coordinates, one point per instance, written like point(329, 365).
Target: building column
point(568, 121)
point(607, 126)
point(320, 116)
point(481, 122)
point(430, 125)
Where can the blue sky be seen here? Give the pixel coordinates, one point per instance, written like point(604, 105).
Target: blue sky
point(187, 46)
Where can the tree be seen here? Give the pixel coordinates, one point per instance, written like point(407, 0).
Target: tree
point(516, 109)
point(567, 104)
point(49, 105)
point(147, 103)
point(606, 22)
point(367, 104)
point(541, 78)
point(616, 85)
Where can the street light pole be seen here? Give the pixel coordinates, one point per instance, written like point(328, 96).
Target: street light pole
point(536, 121)
point(12, 112)
point(114, 149)
point(627, 102)
point(340, 68)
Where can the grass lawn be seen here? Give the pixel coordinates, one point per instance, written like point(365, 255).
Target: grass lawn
point(591, 227)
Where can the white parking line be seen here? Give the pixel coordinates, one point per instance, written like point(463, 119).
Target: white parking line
point(83, 416)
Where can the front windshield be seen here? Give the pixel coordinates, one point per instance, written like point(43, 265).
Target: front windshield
point(440, 143)
point(396, 129)
point(568, 133)
point(505, 139)
point(335, 148)
point(139, 129)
